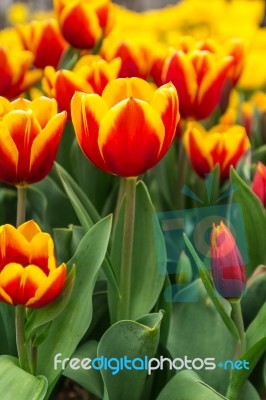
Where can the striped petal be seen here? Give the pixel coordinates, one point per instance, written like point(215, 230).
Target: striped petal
point(31, 280)
point(42, 252)
point(87, 112)
point(44, 148)
point(10, 278)
point(179, 70)
point(9, 156)
point(80, 25)
point(14, 247)
point(49, 289)
point(124, 88)
point(165, 102)
point(44, 108)
point(66, 84)
point(126, 132)
point(29, 229)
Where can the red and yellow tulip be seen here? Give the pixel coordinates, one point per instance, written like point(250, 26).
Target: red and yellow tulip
point(29, 275)
point(84, 22)
point(227, 266)
point(221, 145)
point(29, 139)
point(259, 183)
point(90, 75)
point(44, 40)
point(129, 128)
point(199, 77)
point(136, 57)
point(16, 76)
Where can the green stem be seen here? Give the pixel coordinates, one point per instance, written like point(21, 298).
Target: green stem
point(127, 249)
point(240, 349)
point(120, 197)
point(20, 338)
point(21, 204)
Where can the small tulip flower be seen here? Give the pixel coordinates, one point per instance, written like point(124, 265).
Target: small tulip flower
point(129, 128)
point(259, 183)
point(15, 72)
point(29, 275)
point(227, 266)
point(84, 22)
point(223, 145)
point(29, 139)
point(199, 77)
point(44, 40)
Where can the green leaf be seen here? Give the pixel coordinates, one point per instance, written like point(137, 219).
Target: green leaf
point(248, 392)
point(253, 299)
point(70, 326)
point(17, 384)
point(239, 377)
point(134, 340)
point(254, 220)
point(206, 279)
point(186, 385)
point(7, 329)
point(257, 329)
point(87, 215)
point(66, 242)
point(83, 207)
point(90, 379)
point(192, 335)
point(148, 260)
point(44, 315)
point(96, 183)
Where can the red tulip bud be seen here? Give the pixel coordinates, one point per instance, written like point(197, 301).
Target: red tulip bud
point(227, 266)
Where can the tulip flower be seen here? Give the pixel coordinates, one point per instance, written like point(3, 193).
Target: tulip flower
point(90, 75)
point(84, 22)
point(199, 77)
point(44, 40)
point(29, 275)
point(136, 58)
point(222, 145)
point(129, 128)
point(259, 183)
point(227, 266)
point(30, 136)
point(16, 76)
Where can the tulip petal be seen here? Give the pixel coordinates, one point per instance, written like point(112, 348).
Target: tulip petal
point(44, 148)
point(165, 102)
point(121, 89)
point(49, 289)
point(5, 297)
point(130, 138)
point(179, 70)
point(44, 109)
point(8, 156)
point(42, 252)
point(31, 280)
point(13, 247)
point(29, 229)
point(90, 108)
point(80, 25)
point(10, 278)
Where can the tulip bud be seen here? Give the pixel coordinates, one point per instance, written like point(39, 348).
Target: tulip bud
point(259, 183)
point(227, 266)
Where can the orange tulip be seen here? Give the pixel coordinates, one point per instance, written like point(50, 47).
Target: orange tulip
point(221, 145)
point(16, 76)
point(29, 139)
point(199, 77)
point(84, 22)
point(90, 75)
point(44, 40)
point(136, 58)
point(29, 275)
point(127, 130)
